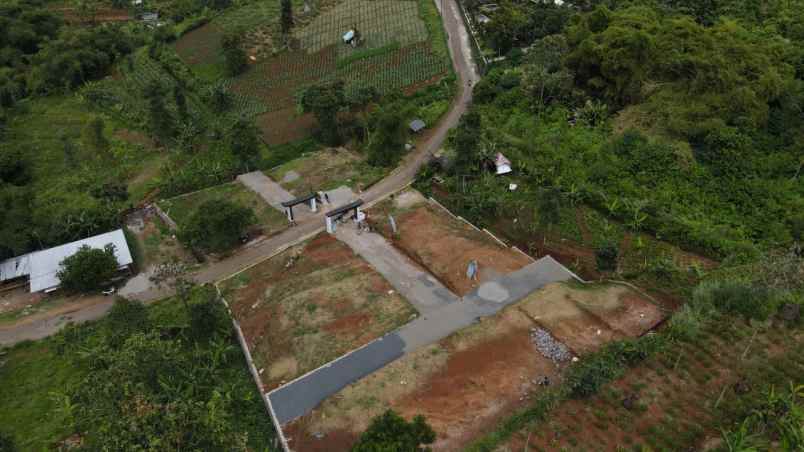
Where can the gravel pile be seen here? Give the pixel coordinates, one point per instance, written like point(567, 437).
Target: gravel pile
point(549, 347)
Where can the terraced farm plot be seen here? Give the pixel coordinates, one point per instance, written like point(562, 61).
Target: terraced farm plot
point(268, 218)
point(403, 47)
point(445, 245)
point(462, 384)
point(325, 170)
point(679, 399)
point(309, 305)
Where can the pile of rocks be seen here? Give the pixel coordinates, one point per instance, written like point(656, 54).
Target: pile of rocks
point(549, 346)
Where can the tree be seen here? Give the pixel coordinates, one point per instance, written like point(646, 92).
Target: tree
point(606, 256)
point(233, 53)
point(549, 213)
point(92, 136)
point(468, 156)
point(286, 18)
point(88, 269)
point(125, 319)
point(181, 103)
point(219, 98)
point(68, 148)
point(208, 317)
point(244, 142)
point(160, 121)
point(389, 432)
point(7, 443)
point(324, 101)
point(387, 140)
point(216, 225)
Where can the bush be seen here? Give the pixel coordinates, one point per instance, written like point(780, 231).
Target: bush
point(751, 302)
point(390, 432)
point(124, 320)
point(88, 269)
point(216, 225)
point(7, 443)
point(606, 256)
point(208, 317)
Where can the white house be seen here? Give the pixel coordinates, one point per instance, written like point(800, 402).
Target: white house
point(41, 266)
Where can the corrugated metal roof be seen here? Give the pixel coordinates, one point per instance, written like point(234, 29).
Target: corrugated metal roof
point(46, 263)
point(15, 267)
point(417, 125)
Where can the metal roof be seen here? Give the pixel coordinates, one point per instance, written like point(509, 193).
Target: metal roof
point(15, 267)
point(46, 263)
point(417, 125)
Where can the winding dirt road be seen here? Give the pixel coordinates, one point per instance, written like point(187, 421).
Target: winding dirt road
point(44, 324)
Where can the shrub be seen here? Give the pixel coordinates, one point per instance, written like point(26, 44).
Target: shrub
point(124, 320)
point(606, 256)
point(751, 302)
point(208, 317)
point(7, 443)
point(390, 432)
point(88, 269)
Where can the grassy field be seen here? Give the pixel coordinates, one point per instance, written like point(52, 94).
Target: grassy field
point(40, 127)
point(309, 305)
point(325, 170)
point(32, 376)
point(181, 207)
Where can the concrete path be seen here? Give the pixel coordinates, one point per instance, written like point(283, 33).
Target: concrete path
point(421, 289)
point(299, 397)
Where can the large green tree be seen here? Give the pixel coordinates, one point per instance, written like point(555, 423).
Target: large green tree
point(88, 269)
point(389, 132)
point(216, 225)
point(233, 53)
point(324, 101)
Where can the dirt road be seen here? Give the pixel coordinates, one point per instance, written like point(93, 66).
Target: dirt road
point(461, 55)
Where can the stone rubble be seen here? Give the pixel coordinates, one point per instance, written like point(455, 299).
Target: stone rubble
point(549, 346)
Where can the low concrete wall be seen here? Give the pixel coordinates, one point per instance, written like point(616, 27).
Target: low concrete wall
point(241, 338)
point(164, 217)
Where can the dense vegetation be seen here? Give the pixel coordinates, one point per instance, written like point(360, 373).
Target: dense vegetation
point(391, 432)
point(685, 124)
point(216, 225)
point(167, 377)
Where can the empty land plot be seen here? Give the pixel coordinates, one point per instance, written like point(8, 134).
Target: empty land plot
point(445, 245)
point(325, 170)
point(311, 304)
point(181, 207)
point(462, 384)
point(586, 318)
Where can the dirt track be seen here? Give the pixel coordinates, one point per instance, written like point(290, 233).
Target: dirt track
point(460, 52)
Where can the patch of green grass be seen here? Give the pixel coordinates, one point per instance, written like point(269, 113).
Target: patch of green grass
point(30, 374)
point(181, 208)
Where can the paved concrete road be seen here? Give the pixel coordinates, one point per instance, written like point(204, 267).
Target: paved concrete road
point(460, 52)
point(269, 191)
point(302, 395)
point(421, 289)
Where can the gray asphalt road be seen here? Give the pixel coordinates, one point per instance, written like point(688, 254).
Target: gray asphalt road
point(299, 397)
